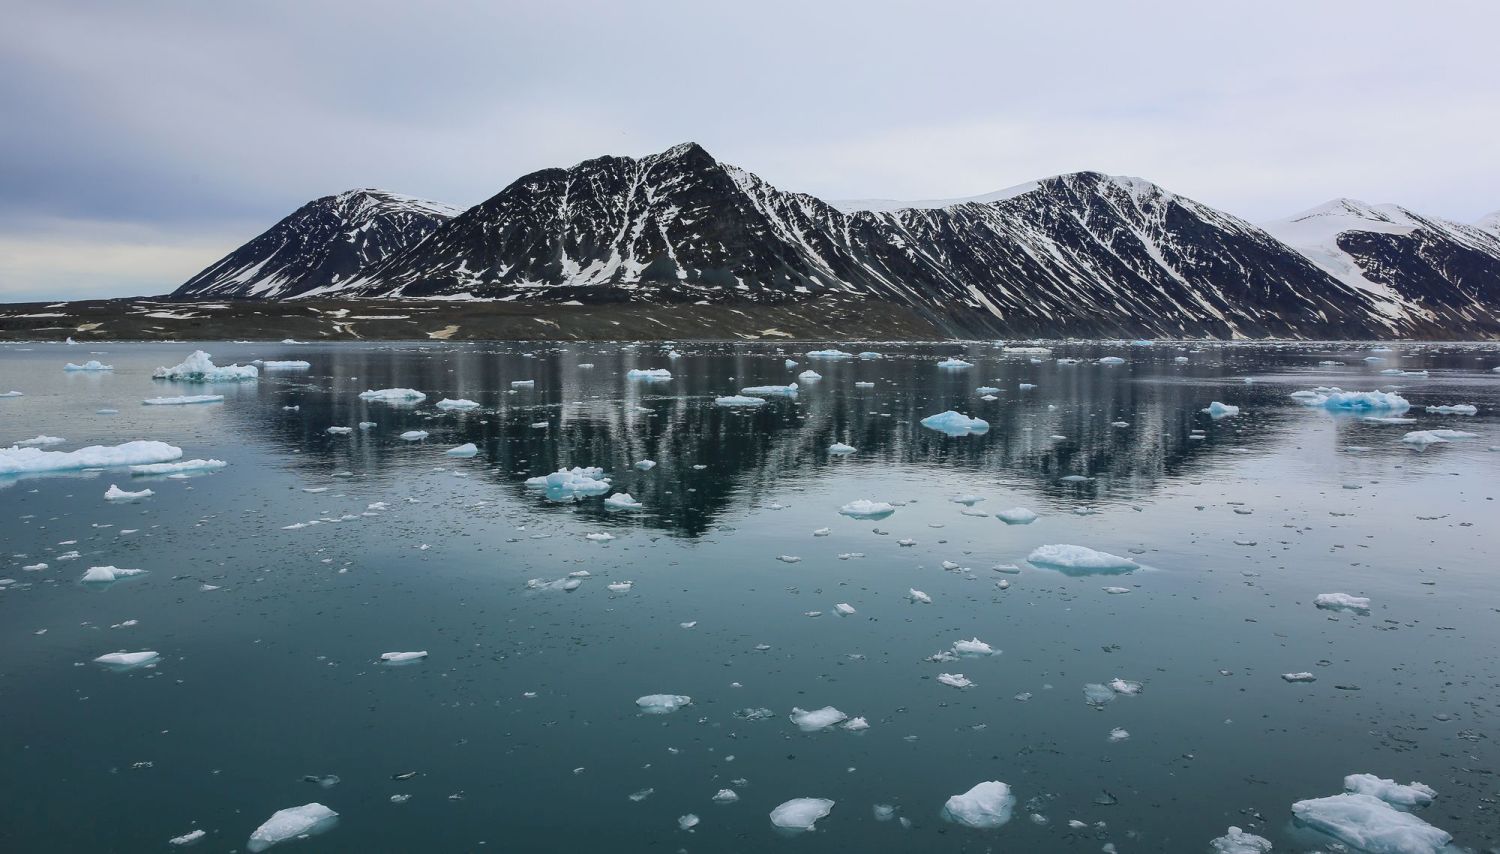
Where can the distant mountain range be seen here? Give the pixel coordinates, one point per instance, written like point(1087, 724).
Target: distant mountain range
point(1083, 254)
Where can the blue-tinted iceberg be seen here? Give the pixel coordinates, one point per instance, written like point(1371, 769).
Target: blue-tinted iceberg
point(955, 424)
point(199, 368)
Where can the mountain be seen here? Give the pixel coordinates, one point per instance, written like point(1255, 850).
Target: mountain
point(319, 246)
point(1417, 267)
point(1083, 254)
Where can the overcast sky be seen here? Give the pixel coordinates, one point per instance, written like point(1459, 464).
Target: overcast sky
point(142, 140)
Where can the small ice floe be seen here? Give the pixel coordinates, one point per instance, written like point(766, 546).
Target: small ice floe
point(115, 493)
point(414, 435)
point(822, 532)
point(1117, 735)
point(90, 365)
point(839, 449)
point(1423, 438)
point(864, 508)
point(599, 536)
point(1302, 676)
point(1016, 516)
point(844, 609)
point(1072, 478)
point(1366, 823)
point(809, 376)
point(1098, 695)
point(789, 558)
point(725, 796)
point(1338, 400)
point(641, 795)
point(41, 441)
point(987, 390)
point(955, 680)
point(967, 500)
point(180, 467)
point(739, 400)
point(1026, 386)
point(790, 364)
point(855, 725)
point(459, 404)
point(1217, 410)
point(188, 838)
point(1125, 686)
point(1110, 360)
point(987, 805)
point(800, 814)
point(817, 719)
point(827, 354)
point(339, 431)
point(1116, 591)
point(199, 368)
point(1411, 795)
point(687, 822)
point(566, 585)
point(973, 648)
point(1455, 409)
point(955, 424)
point(622, 501)
point(468, 449)
point(1237, 841)
point(285, 364)
point(1341, 602)
point(393, 395)
point(366, 425)
point(864, 385)
point(955, 363)
point(569, 483)
point(292, 823)
point(518, 384)
point(128, 660)
point(867, 355)
point(619, 586)
point(183, 400)
point(1079, 560)
point(109, 574)
point(789, 390)
point(646, 465)
point(105, 411)
point(649, 374)
point(661, 704)
point(918, 596)
point(402, 657)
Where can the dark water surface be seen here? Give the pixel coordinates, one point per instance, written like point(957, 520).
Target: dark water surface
point(522, 726)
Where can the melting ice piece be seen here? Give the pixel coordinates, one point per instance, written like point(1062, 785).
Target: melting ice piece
point(1111, 360)
point(1218, 410)
point(90, 365)
point(109, 574)
point(955, 424)
point(800, 813)
point(579, 480)
point(187, 838)
point(620, 586)
point(181, 467)
point(955, 363)
point(1411, 795)
point(809, 376)
point(1079, 560)
point(1363, 401)
point(864, 508)
point(955, 680)
point(1423, 438)
point(1016, 516)
point(1367, 823)
point(661, 704)
point(844, 609)
point(649, 374)
point(291, 823)
point(987, 805)
point(622, 501)
point(1455, 409)
point(199, 368)
point(1116, 591)
point(973, 648)
point(286, 365)
point(1341, 602)
point(393, 395)
point(115, 493)
point(1125, 686)
point(739, 400)
point(527, 383)
point(1237, 841)
point(646, 465)
point(468, 449)
point(725, 796)
point(414, 435)
point(183, 400)
point(1098, 695)
point(40, 441)
point(840, 449)
point(127, 660)
point(987, 389)
point(812, 721)
point(771, 390)
point(1303, 676)
point(918, 596)
point(460, 403)
point(1117, 734)
point(402, 657)
point(687, 822)
point(826, 354)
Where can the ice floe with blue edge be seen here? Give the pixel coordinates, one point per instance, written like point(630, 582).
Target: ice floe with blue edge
point(1367, 823)
point(19, 461)
point(985, 806)
point(788, 390)
point(800, 814)
point(199, 368)
point(1079, 560)
point(956, 424)
point(864, 508)
point(661, 704)
point(90, 365)
point(291, 823)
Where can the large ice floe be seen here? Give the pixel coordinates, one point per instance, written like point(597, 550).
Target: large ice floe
point(460, 403)
point(1422, 438)
point(1367, 823)
point(986, 805)
point(128, 660)
point(864, 508)
point(739, 400)
point(789, 390)
point(955, 424)
point(1413, 794)
point(649, 374)
point(800, 813)
point(90, 365)
point(183, 400)
point(284, 364)
point(1080, 560)
point(1237, 841)
point(393, 395)
point(1337, 400)
point(180, 467)
point(661, 704)
point(199, 368)
point(570, 483)
point(291, 823)
point(20, 461)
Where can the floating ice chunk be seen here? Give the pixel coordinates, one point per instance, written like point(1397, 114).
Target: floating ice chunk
point(1125, 686)
point(339, 431)
point(291, 823)
point(1111, 360)
point(183, 400)
point(468, 449)
point(973, 648)
point(955, 424)
point(620, 586)
point(844, 609)
point(181, 467)
point(41, 441)
point(622, 501)
point(514, 384)
point(1026, 386)
point(955, 363)
point(460, 403)
point(1303, 676)
point(739, 400)
point(789, 390)
point(839, 449)
point(918, 596)
point(1118, 734)
point(414, 435)
point(826, 354)
point(863, 384)
point(661, 704)
point(393, 395)
point(1367, 823)
point(1364, 401)
point(790, 364)
point(650, 374)
point(864, 508)
point(687, 822)
point(108, 574)
point(199, 368)
point(855, 725)
point(1423, 438)
point(800, 813)
point(188, 838)
point(1115, 591)
point(90, 365)
point(17, 461)
point(115, 493)
point(1016, 516)
point(402, 657)
point(366, 425)
point(1341, 602)
point(646, 465)
point(868, 355)
point(1218, 410)
point(789, 558)
point(1098, 695)
point(1411, 795)
point(128, 660)
point(1237, 841)
point(822, 532)
point(987, 805)
point(1079, 559)
point(725, 796)
point(812, 721)
point(1455, 409)
point(285, 365)
point(954, 680)
point(567, 483)
point(809, 376)
point(987, 390)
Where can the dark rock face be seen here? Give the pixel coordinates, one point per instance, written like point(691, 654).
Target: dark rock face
point(1083, 254)
point(320, 247)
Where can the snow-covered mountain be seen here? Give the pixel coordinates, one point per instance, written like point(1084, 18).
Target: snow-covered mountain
point(1081, 254)
point(319, 247)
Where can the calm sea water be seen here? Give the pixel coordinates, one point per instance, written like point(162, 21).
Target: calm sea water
point(521, 725)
